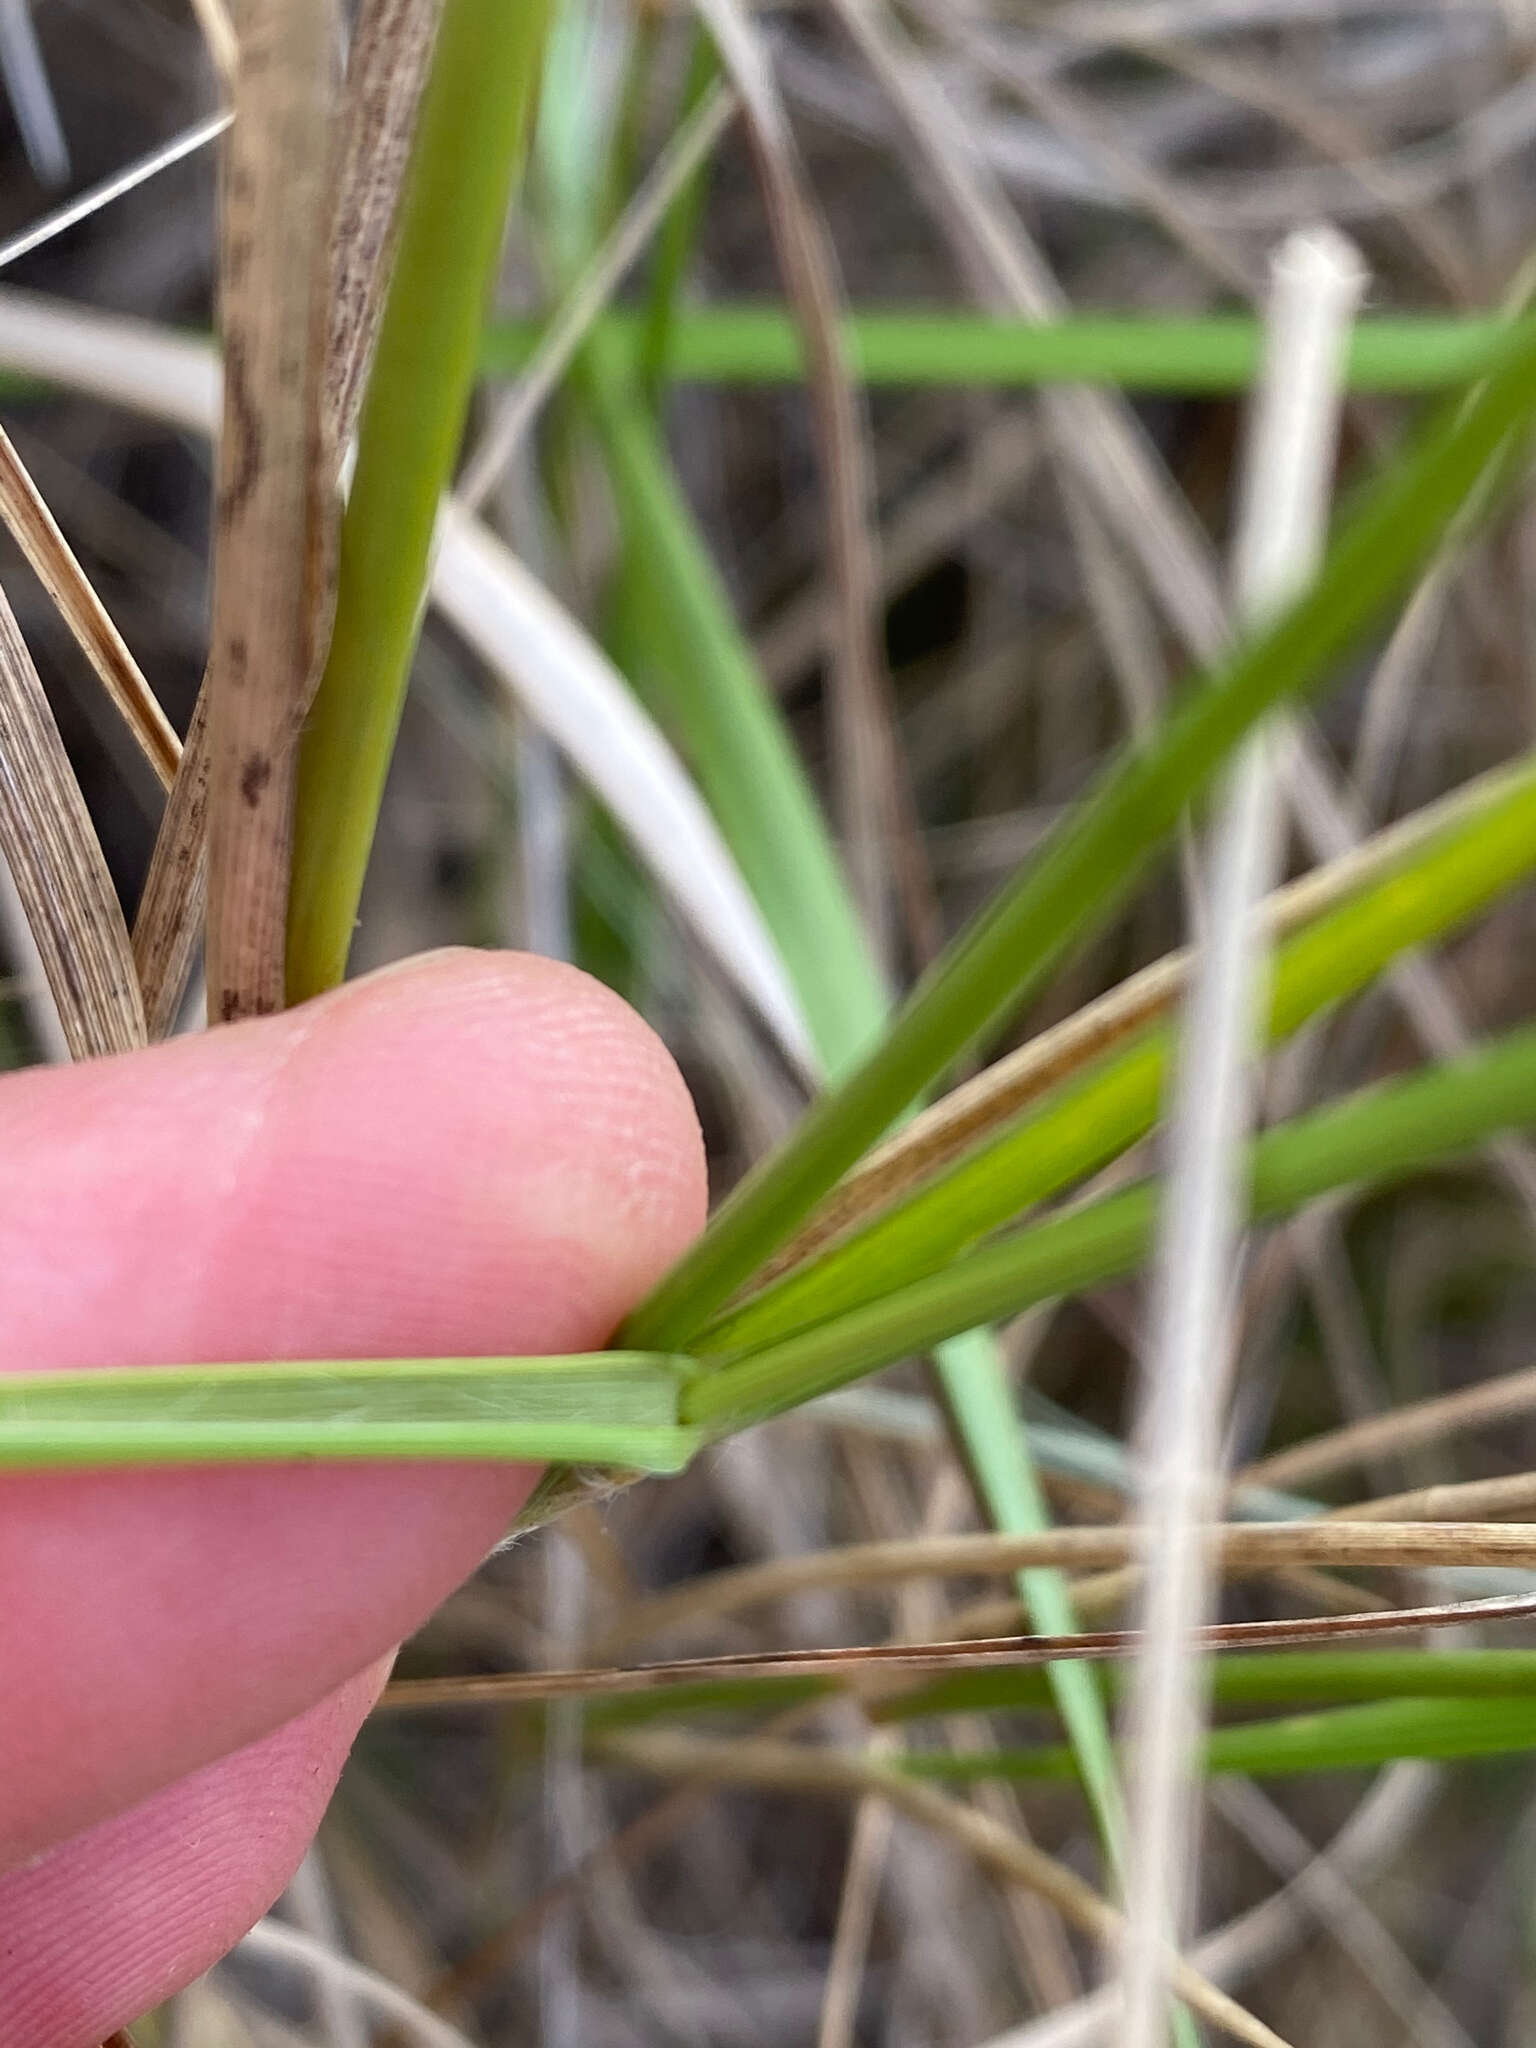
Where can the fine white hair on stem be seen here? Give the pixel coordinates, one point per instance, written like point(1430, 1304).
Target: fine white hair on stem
point(1316, 284)
point(634, 229)
point(274, 1942)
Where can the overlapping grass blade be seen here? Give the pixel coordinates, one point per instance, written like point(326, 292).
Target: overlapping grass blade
point(1094, 1118)
point(605, 1407)
point(1278, 1678)
point(1090, 862)
point(700, 681)
point(703, 682)
point(1380, 1134)
point(469, 145)
point(1345, 1739)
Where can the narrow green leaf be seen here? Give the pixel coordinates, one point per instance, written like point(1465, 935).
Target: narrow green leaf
point(1378, 1134)
point(1345, 1739)
point(1271, 1678)
point(1089, 863)
point(704, 683)
point(469, 146)
point(1094, 1118)
point(705, 687)
point(733, 344)
point(603, 1407)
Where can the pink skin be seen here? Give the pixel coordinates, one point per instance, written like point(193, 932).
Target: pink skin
point(470, 1154)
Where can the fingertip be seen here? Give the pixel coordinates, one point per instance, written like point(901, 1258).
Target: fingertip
point(475, 1153)
point(116, 1920)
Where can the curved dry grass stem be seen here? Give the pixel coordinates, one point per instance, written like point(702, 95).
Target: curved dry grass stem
point(688, 149)
point(1347, 1542)
point(36, 532)
point(787, 1767)
point(1404, 1429)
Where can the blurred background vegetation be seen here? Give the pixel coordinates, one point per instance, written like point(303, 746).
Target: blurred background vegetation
point(1152, 152)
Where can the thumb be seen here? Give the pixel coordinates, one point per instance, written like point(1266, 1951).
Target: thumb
point(474, 1153)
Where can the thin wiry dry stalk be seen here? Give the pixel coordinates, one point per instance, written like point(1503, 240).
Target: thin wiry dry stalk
point(877, 813)
point(1330, 137)
point(1480, 1499)
point(91, 201)
point(966, 1114)
point(787, 1767)
point(868, 1845)
point(957, 498)
point(1066, 113)
point(1408, 1428)
point(1462, 1500)
point(562, 338)
point(1339, 1542)
point(1340, 1911)
point(36, 532)
point(872, 1670)
point(1364, 1846)
point(274, 541)
point(60, 872)
point(273, 1941)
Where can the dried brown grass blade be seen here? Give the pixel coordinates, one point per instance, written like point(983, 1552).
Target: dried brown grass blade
point(390, 49)
point(1401, 1429)
point(872, 1669)
point(1340, 1544)
point(60, 872)
point(274, 538)
point(168, 924)
point(36, 532)
point(386, 70)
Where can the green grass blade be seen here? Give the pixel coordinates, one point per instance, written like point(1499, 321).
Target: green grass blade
point(707, 688)
point(1089, 864)
point(608, 1407)
point(761, 345)
point(469, 146)
point(1270, 1678)
point(1377, 1135)
point(679, 234)
point(1095, 1117)
point(1346, 1739)
point(980, 1398)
